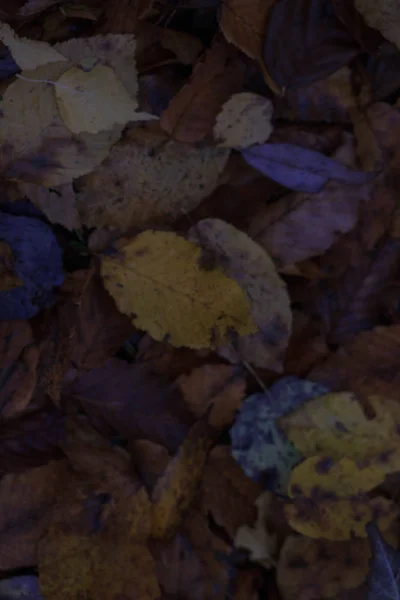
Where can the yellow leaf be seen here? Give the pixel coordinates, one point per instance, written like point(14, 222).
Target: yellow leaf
point(28, 54)
point(157, 278)
point(244, 120)
point(175, 490)
point(321, 477)
point(146, 179)
point(93, 101)
point(336, 425)
point(342, 519)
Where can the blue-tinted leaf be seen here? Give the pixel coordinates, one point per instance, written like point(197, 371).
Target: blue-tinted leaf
point(37, 261)
point(299, 168)
point(24, 587)
point(384, 576)
point(258, 445)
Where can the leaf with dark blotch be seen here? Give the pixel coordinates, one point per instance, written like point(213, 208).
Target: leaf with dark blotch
point(384, 577)
point(319, 43)
point(299, 168)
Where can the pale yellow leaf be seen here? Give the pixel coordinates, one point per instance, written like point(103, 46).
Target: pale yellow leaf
point(157, 279)
point(146, 179)
point(250, 266)
point(28, 54)
point(260, 542)
point(244, 120)
point(93, 101)
point(58, 204)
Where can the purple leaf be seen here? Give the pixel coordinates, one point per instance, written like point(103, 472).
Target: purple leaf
point(300, 169)
point(384, 577)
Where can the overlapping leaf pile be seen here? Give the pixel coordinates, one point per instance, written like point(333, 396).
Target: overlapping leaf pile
point(199, 300)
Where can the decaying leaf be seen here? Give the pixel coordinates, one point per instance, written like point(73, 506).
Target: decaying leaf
point(175, 490)
point(260, 542)
point(195, 307)
point(250, 266)
point(244, 120)
point(28, 54)
point(311, 569)
point(383, 16)
point(258, 445)
point(336, 425)
point(8, 278)
point(146, 179)
point(339, 520)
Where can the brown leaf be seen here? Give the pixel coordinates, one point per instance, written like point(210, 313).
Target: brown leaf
point(369, 39)
point(248, 583)
point(220, 386)
point(191, 115)
point(26, 500)
point(18, 363)
point(243, 24)
point(194, 564)
point(150, 460)
point(366, 365)
point(320, 43)
point(312, 569)
point(8, 278)
point(176, 489)
point(139, 406)
point(227, 493)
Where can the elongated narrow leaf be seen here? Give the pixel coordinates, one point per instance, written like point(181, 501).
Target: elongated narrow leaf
point(300, 169)
point(384, 577)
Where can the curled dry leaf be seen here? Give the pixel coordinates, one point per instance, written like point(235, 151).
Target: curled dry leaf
point(194, 307)
point(28, 54)
point(250, 266)
point(146, 179)
point(226, 493)
point(217, 386)
point(244, 120)
point(191, 114)
point(383, 16)
point(311, 569)
point(176, 489)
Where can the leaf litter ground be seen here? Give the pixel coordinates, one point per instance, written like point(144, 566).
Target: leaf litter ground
point(199, 300)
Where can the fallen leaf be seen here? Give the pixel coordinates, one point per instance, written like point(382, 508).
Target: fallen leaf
point(311, 569)
point(320, 478)
point(251, 267)
point(143, 407)
point(244, 120)
point(26, 499)
point(8, 278)
point(150, 460)
point(19, 587)
point(340, 520)
point(58, 204)
point(28, 54)
point(191, 114)
point(336, 425)
point(383, 578)
point(303, 225)
point(258, 445)
point(320, 44)
point(226, 493)
point(93, 101)
point(220, 387)
point(32, 7)
point(243, 24)
point(37, 262)
point(195, 307)
point(173, 179)
point(384, 17)
point(300, 169)
point(260, 542)
point(176, 489)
